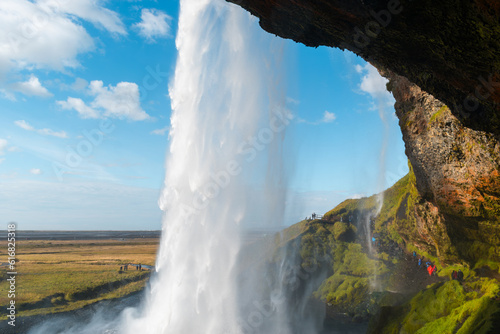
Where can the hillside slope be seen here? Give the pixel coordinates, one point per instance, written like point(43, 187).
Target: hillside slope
point(382, 280)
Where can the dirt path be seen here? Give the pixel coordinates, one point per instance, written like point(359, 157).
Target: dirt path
point(407, 276)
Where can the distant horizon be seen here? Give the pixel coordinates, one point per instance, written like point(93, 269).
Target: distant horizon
point(49, 230)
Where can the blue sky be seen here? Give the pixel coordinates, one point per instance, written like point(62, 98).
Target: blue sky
point(84, 116)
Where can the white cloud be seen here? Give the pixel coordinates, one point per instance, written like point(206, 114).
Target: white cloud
point(32, 87)
point(49, 34)
point(3, 146)
point(372, 82)
point(36, 171)
point(92, 11)
point(83, 110)
point(328, 117)
point(49, 132)
point(120, 101)
point(160, 132)
point(24, 125)
point(154, 23)
point(45, 132)
point(375, 85)
point(7, 95)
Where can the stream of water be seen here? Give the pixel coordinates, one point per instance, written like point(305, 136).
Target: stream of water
point(228, 124)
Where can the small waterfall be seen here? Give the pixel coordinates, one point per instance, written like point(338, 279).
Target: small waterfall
point(381, 102)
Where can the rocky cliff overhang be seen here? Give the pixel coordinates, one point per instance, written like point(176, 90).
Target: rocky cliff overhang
point(449, 48)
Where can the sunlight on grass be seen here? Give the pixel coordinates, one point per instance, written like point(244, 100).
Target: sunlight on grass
point(58, 276)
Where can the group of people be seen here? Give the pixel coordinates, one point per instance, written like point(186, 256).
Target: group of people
point(125, 267)
point(457, 275)
point(431, 268)
point(314, 216)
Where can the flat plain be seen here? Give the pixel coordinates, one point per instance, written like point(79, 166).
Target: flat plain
point(62, 275)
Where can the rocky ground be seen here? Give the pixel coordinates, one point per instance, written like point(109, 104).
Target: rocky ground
point(408, 278)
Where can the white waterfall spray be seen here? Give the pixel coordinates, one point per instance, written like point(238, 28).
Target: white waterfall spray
point(382, 168)
point(226, 133)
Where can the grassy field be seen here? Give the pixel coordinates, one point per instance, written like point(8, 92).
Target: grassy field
point(57, 276)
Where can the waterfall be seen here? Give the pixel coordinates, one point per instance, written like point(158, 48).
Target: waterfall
point(227, 128)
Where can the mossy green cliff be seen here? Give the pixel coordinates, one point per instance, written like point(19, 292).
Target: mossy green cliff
point(383, 282)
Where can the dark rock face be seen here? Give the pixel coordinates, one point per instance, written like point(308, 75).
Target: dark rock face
point(449, 48)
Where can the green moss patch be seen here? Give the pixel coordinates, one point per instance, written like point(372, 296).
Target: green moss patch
point(438, 113)
point(449, 307)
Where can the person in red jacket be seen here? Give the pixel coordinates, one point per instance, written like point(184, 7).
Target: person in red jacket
point(430, 270)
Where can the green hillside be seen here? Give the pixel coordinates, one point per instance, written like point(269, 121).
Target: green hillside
point(381, 281)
